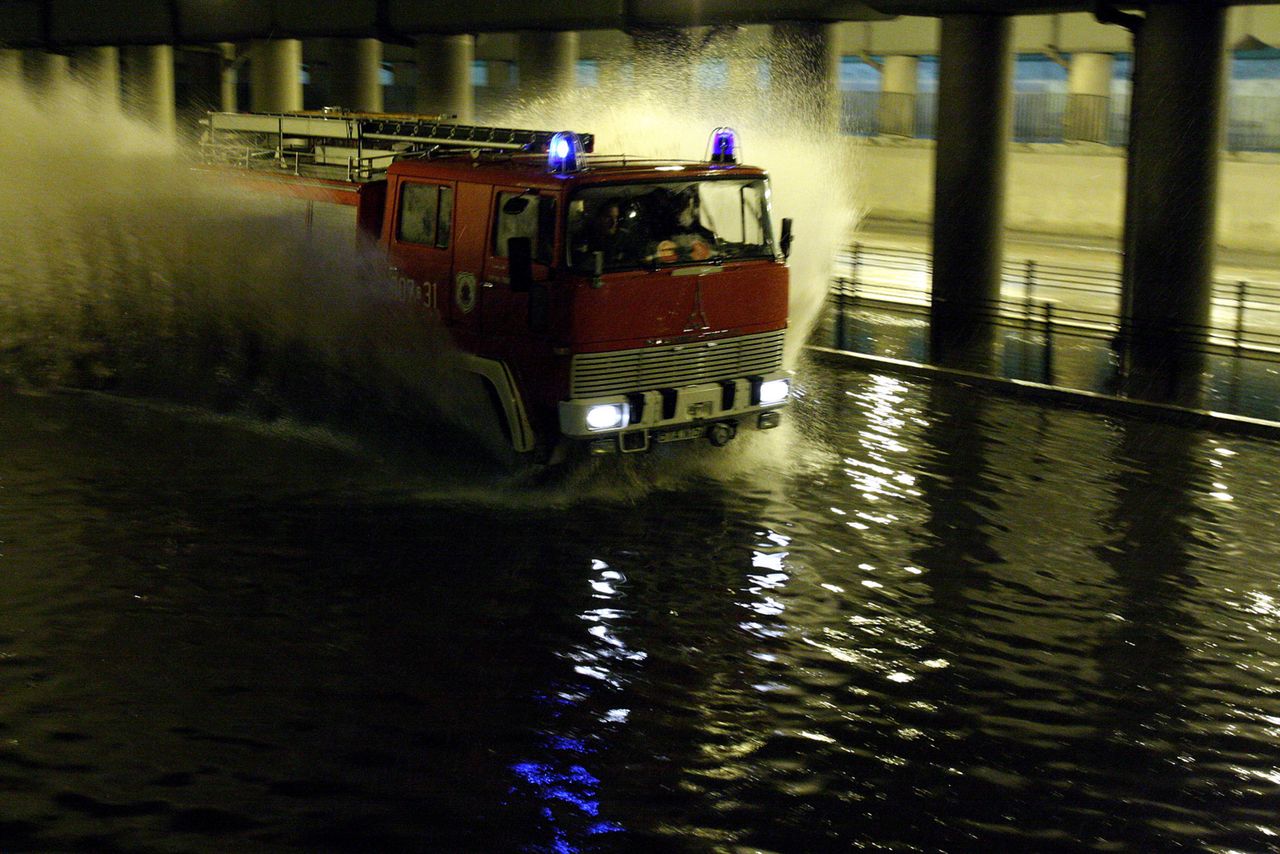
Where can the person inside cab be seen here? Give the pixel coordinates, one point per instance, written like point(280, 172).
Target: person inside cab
point(686, 238)
point(605, 232)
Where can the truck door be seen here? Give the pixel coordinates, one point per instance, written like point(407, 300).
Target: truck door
point(421, 242)
point(519, 212)
point(465, 294)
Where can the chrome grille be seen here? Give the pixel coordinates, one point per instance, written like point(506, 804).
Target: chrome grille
point(623, 371)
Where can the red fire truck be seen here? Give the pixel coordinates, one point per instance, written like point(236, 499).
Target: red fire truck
point(620, 302)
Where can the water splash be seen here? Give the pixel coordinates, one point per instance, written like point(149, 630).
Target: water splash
point(785, 126)
point(126, 269)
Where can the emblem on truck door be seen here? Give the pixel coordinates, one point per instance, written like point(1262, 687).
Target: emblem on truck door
point(464, 292)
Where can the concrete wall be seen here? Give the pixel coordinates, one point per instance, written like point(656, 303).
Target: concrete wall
point(1068, 189)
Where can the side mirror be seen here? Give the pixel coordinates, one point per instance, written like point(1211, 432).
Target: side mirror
point(515, 205)
point(597, 269)
point(520, 263)
point(785, 240)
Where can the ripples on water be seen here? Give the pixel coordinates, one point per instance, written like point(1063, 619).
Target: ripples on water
point(922, 620)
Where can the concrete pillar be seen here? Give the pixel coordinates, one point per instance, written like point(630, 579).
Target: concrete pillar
point(663, 59)
point(974, 123)
point(98, 70)
point(898, 96)
point(1171, 202)
point(805, 72)
point(444, 76)
point(45, 71)
point(203, 83)
point(548, 63)
point(612, 79)
point(1088, 97)
point(275, 76)
point(10, 66)
point(148, 85)
point(229, 79)
point(355, 69)
point(744, 92)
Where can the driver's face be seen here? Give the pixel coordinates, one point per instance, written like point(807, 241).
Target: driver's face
point(608, 218)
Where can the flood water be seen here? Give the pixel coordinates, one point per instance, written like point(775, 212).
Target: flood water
point(918, 619)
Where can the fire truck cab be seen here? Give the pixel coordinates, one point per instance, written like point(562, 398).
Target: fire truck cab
point(619, 302)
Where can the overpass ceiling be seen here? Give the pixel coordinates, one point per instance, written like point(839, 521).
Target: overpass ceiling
point(70, 23)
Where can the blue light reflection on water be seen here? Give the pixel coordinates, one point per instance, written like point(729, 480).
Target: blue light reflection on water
point(1007, 622)
point(934, 621)
point(560, 780)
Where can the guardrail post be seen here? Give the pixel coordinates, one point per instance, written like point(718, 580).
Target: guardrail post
point(840, 294)
point(1047, 367)
point(1029, 280)
point(1242, 292)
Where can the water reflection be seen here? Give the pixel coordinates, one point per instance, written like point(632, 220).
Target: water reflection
point(1151, 530)
point(937, 622)
point(559, 780)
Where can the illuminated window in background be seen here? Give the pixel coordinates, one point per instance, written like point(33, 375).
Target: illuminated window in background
point(1036, 72)
point(1039, 97)
point(304, 76)
point(479, 73)
point(711, 74)
point(927, 75)
point(859, 95)
point(385, 75)
point(588, 75)
point(1253, 100)
point(1121, 71)
point(1260, 65)
point(857, 75)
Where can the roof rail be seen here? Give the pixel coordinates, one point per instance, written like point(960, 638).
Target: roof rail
point(354, 146)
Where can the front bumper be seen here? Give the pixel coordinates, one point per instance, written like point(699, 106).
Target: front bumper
point(676, 413)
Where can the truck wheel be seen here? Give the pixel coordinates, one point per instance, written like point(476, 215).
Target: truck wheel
point(552, 453)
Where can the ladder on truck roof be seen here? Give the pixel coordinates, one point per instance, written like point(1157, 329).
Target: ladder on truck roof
point(352, 146)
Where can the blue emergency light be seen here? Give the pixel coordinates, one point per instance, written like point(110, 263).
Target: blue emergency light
point(724, 145)
point(564, 154)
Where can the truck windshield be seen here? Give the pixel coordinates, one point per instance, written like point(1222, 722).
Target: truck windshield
point(676, 222)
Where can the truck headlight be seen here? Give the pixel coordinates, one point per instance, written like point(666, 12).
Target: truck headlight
point(774, 391)
point(607, 416)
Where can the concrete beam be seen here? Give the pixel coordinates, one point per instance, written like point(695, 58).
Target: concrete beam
point(66, 23)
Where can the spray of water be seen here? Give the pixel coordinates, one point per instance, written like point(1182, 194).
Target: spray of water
point(664, 112)
point(786, 127)
point(125, 269)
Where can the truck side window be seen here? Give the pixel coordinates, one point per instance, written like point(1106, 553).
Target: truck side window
point(426, 211)
point(535, 220)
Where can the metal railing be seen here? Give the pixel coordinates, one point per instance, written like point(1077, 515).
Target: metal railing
point(1052, 300)
point(1087, 118)
point(297, 162)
